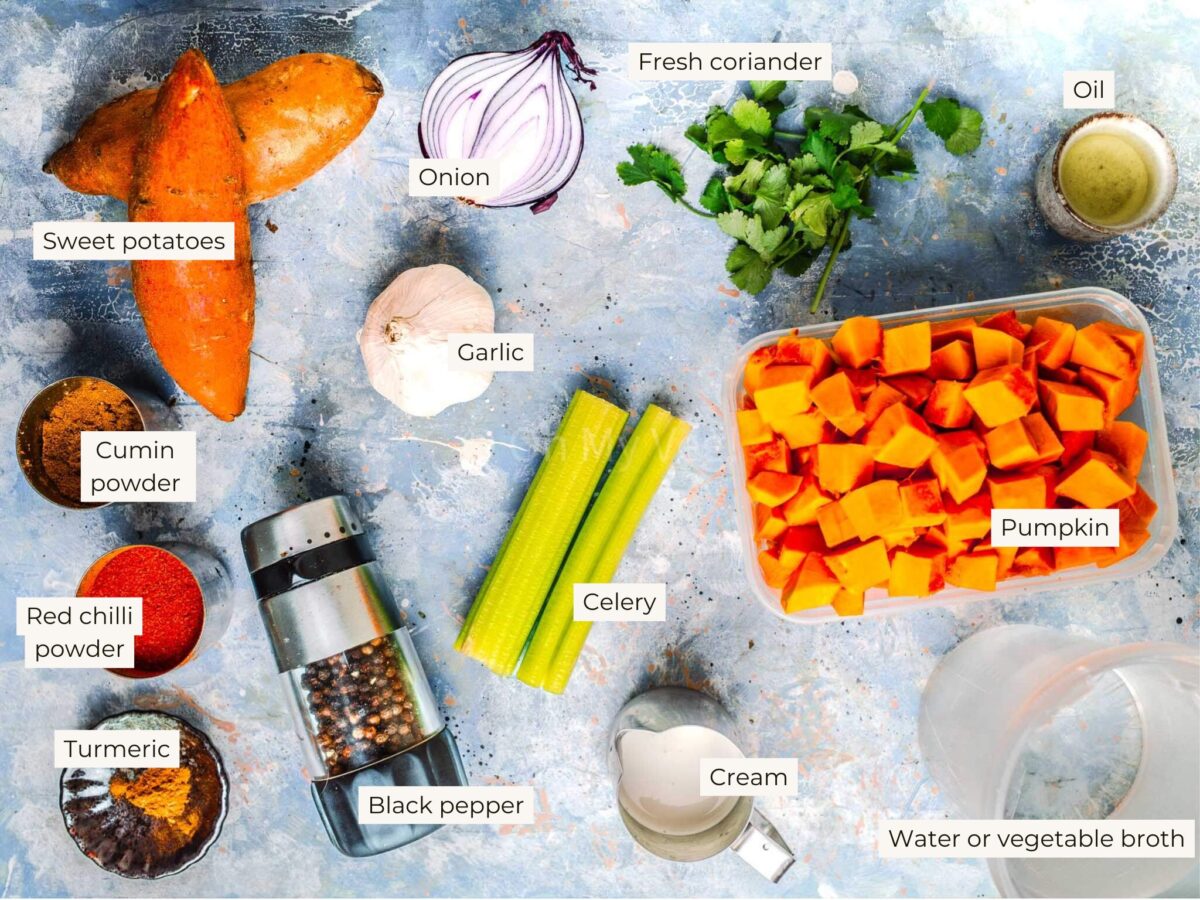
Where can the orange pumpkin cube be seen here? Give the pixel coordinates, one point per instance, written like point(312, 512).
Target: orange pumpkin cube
point(751, 427)
point(756, 365)
point(811, 586)
point(947, 407)
point(1126, 443)
point(1073, 557)
point(839, 402)
point(873, 508)
point(777, 402)
point(1010, 445)
point(1095, 480)
point(959, 466)
point(880, 399)
point(843, 467)
point(970, 520)
point(953, 330)
point(1116, 393)
point(953, 362)
point(1000, 394)
point(915, 388)
point(768, 523)
point(995, 348)
point(1071, 407)
point(858, 341)
point(1007, 322)
point(1032, 561)
point(802, 508)
point(849, 603)
point(772, 456)
point(917, 572)
point(860, 566)
point(1030, 491)
point(899, 437)
point(907, 348)
point(976, 571)
point(1131, 543)
point(1137, 509)
point(1111, 348)
point(774, 572)
point(798, 543)
point(804, 429)
point(921, 502)
point(773, 488)
point(835, 525)
point(1046, 442)
point(1052, 340)
point(805, 351)
point(1005, 557)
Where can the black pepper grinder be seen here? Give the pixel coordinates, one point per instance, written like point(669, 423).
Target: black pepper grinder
point(354, 683)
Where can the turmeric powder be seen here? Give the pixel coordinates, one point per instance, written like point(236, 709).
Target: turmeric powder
point(161, 793)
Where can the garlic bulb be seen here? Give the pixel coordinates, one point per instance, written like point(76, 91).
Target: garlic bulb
point(403, 339)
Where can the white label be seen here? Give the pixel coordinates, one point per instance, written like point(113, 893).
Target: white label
point(1038, 839)
point(138, 466)
point(502, 805)
point(133, 748)
point(63, 613)
point(1089, 90)
point(475, 179)
point(693, 61)
point(614, 602)
point(1056, 528)
point(483, 352)
point(133, 240)
point(750, 777)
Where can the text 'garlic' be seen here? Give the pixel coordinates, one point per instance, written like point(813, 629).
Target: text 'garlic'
point(404, 338)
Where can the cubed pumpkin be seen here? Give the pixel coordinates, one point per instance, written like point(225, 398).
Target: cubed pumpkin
point(802, 508)
point(1010, 445)
point(805, 429)
point(1049, 447)
point(947, 407)
point(1113, 349)
point(805, 351)
point(969, 520)
point(1033, 561)
point(772, 456)
point(953, 362)
point(843, 467)
point(751, 427)
point(798, 542)
point(769, 523)
point(915, 388)
point(1052, 339)
point(1026, 491)
point(773, 488)
point(836, 527)
point(1000, 394)
point(880, 399)
point(1131, 542)
point(907, 348)
point(976, 571)
point(777, 402)
point(1116, 393)
point(1137, 509)
point(921, 502)
point(960, 467)
point(1126, 443)
point(995, 348)
point(861, 565)
point(943, 333)
point(849, 603)
point(858, 341)
point(812, 585)
point(756, 365)
point(1007, 322)
point(1071, 407)
point(1096, 480)
point(918, 571)
point(900, 437)
point(840, 403)
point(774, 572)
point(873, 508)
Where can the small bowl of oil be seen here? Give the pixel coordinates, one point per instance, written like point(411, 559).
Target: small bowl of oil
point(1110, 174)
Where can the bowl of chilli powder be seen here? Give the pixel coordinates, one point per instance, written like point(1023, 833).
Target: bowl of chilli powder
point(48, 437)
point(175, 616)
point(148, 822)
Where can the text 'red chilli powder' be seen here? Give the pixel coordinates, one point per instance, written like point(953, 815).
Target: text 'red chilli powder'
point(172, 604)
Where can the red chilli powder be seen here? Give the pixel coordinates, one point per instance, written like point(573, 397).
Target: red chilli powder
point(172, 605)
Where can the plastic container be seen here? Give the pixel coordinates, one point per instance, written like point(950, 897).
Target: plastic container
point(1080, 306)
point(1025, 722)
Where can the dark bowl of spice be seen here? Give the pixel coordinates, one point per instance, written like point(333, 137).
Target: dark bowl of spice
point(48, 435)
point(148, 823)
point(185, 601)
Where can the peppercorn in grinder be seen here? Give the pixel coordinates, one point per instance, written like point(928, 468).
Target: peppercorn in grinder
point(354, 683)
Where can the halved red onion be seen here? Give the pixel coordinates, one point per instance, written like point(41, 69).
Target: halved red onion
point(515, 108)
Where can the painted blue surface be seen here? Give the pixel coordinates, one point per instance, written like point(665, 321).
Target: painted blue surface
point(622, 289)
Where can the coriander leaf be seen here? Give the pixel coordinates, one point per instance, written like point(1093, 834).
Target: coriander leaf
point(799, 262)
point(865, 134)
point(768, 199)
point(751, 117)
point(813, 213)
point(734, 223)
point(764, 240)
point(737, 151)
point(766, 91)
point(798, 193)
point(722, 127)
point(845, 196)
point(833, 125)
point(747, 269)
point(821, 149)
point(959, 127)
point(714, 198)
point(746, 181)
point(652, 164)
point(804, 165)
point(698, 135)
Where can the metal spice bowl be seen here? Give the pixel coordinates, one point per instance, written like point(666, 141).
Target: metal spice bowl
point(117, 835)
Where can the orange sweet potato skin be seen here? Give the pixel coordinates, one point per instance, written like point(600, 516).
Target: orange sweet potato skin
point(294, 116)
point(199, 314)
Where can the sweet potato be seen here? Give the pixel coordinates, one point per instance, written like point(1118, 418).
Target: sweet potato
point(199, 314)
point(294, 116)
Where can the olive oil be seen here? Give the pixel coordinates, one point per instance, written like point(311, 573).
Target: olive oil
point(1105, 178)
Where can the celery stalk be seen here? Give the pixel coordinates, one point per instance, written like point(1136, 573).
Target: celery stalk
point(603, 539)
point(502, 616)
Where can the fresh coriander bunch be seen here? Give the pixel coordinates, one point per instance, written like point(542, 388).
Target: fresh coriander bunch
point(785, 196)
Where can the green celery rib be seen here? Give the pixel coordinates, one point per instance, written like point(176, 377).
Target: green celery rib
point(601, 544)
point(508, 602)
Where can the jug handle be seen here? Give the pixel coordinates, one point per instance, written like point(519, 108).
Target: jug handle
point(761, 845)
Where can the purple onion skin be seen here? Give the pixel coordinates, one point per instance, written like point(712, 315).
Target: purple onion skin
point(562, 43)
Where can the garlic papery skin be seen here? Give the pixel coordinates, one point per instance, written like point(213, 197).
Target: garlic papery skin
point(404, 338)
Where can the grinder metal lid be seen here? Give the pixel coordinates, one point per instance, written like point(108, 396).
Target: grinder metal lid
point(298, 529)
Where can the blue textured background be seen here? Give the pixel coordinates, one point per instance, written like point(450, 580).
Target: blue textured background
point(623, 292)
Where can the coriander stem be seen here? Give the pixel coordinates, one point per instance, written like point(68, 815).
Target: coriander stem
point(790, 135)
point(689, 207)
point(843, 230)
